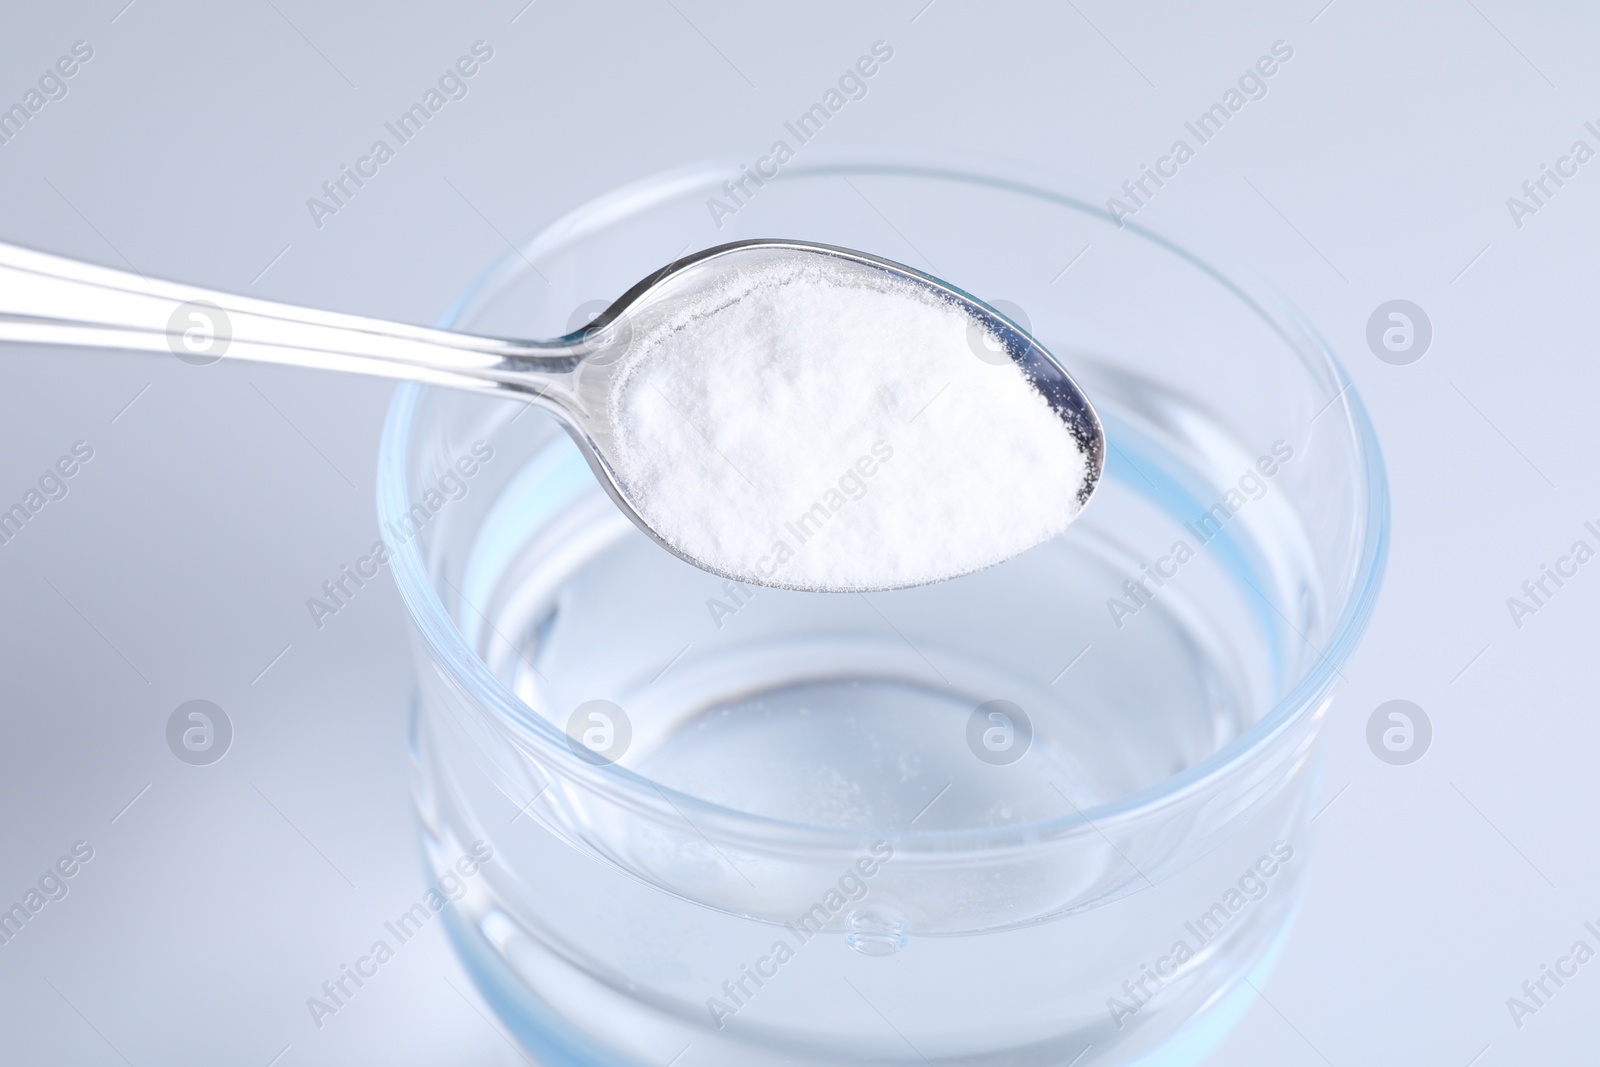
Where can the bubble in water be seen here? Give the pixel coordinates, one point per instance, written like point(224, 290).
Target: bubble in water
point(875, 930)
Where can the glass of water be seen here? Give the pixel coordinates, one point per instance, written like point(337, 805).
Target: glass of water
point(1053, 812)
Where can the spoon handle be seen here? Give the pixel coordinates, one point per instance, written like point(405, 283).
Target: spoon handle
point(46, 299)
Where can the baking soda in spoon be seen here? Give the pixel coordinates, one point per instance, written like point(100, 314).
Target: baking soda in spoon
point(795, 414)
point(821, 425)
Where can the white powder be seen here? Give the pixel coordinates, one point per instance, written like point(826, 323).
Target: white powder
point(813, 424)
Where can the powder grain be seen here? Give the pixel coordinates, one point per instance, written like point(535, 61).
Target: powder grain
point(828, 426)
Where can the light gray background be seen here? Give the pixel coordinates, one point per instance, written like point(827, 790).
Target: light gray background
point(1377, 167)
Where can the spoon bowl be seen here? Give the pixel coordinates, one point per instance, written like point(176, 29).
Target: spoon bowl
point(46, 299)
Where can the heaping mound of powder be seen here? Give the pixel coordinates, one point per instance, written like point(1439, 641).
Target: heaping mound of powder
point(831, 427)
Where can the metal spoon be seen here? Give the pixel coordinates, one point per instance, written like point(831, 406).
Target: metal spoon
point(46, 299)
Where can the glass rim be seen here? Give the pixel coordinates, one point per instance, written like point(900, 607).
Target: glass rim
point(1306, 698)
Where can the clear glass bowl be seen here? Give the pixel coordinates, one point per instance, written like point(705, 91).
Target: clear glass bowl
point(1054, 809)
